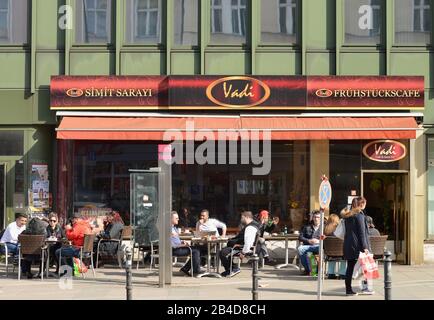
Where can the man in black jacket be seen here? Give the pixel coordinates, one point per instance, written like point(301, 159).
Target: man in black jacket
point(242, 243)
point(309, 237)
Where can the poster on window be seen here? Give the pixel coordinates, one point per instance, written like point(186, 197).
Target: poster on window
point(40, 193)
point(39, 172)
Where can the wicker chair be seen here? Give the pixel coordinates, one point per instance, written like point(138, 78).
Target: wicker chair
point(333, 250)
point(31, 245)
point(378, 244)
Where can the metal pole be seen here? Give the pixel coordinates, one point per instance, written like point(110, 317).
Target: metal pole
point(255, 259)
point(319, 267)
point(128, 264)
point(387, 275)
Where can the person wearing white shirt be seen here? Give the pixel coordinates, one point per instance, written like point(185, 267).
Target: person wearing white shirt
point(208, 224)
point(242, 243)
point(13, 230)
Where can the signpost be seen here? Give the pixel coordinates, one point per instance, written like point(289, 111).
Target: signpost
point(325, 196)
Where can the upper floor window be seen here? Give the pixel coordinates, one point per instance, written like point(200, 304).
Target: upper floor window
point(278, 21)
point(145, 25)
point(413, 22)
point(185, 27)
point(363, 21)
point(228, 21)
point(13, 22)
point(93, 24)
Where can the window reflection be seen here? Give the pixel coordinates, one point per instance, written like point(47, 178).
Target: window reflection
point(363, 20)
point(93, 21)
point(278, 21)
point(144, 26)
point(413, 21)
point(13, 21)
point(185, 27)
point(228, 21)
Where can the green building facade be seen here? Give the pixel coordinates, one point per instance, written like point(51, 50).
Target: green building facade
point(39, 39)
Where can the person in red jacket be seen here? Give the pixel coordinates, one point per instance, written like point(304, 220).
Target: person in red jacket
point(75, 232)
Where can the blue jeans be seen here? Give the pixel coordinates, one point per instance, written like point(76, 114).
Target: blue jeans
point(68, 252)
point(12, 248)
point(302, 253)
point(332, 267)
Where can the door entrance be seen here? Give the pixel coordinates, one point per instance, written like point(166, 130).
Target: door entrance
point(2, 195)
point(387, 203)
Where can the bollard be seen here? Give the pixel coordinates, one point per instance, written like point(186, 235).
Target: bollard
point(255, 263)
point(128, 264)
point(387, 276)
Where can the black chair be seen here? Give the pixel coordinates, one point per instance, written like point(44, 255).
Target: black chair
point(253, 249)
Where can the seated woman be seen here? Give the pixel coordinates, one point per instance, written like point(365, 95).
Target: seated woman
point(113, 226)
point(329, 229)
point(266, 225)
point(54, 231)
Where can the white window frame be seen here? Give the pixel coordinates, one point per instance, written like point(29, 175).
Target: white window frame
point(289, 5)
point(238, 7)
point(421, 7)
point(107, 22)
point(148, 12)
point(215, 7)
point(9, 21)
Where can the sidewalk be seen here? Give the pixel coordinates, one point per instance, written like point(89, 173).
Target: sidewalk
point(408, 282)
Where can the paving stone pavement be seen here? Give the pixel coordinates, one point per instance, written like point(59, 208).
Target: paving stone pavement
point(408, 282)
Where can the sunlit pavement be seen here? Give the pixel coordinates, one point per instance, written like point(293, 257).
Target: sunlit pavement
point(408, 282)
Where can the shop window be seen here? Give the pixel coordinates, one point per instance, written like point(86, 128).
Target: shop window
point(363, 21)
point(430, 193)
point(279, 21)
point(228, 21)
point(14, 22)
point(93, 24)
point(11, 143)
point(413, 22)
point(186, 22)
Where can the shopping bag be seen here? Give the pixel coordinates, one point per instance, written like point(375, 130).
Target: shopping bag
point(358, 271)
point(79, 267)
point(340, 230)
point(369, 266)
point(313, 265)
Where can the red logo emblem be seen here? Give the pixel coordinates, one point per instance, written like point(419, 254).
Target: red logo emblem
point(385, 150)
point(74, 92)
point(323, 93)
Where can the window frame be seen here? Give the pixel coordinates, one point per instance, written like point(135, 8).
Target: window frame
point(383, 29)
point(8, 24)
point(7, 42)
point(298, 28)
point(199, 18)
point(139, 39)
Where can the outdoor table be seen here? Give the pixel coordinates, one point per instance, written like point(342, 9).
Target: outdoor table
point(286, 238)
point(48, 244)
point(211, 241)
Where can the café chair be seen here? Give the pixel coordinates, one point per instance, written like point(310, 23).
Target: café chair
point(126, 234)
point(31, 245)
point(155, 255)
point(7, 255)
point(333, 250)
point(235, 253)
point(378, 244)
point(86, 252)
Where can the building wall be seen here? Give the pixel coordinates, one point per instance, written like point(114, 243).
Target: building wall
point(321, 50)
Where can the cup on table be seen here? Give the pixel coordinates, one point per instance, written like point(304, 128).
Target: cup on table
point(296, 232)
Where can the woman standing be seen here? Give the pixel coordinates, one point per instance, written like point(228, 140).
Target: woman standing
point(356, 239)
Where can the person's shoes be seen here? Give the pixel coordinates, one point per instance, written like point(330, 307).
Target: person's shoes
point(225, 273)
point(305, 273)
point(29, 275)
point(185, 272)
point(234, 272)
point(367, 292)
point(341, 277)
point(269, 261)
point(331, 277)
point(351, 293)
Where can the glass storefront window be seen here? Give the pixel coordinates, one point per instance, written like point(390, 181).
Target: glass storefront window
point(186, 22)
point(413, 22)
point(11, 143)
point(363, 21)
point(279, 21)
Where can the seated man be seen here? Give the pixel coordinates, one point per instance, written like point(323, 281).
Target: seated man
point(181, 249)
point(206, 223)
point(75, 232)
point(372, 231)
point(242, 243)
point(309, 236)
point(13, 230)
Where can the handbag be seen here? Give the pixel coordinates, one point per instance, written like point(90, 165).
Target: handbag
point(79, 267)
point(340, 230)
point(369, 266)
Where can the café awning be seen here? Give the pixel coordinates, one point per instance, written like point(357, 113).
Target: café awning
point(230, 128)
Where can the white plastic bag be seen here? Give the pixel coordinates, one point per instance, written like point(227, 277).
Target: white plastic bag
point(340, 230)
point(358, 271)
